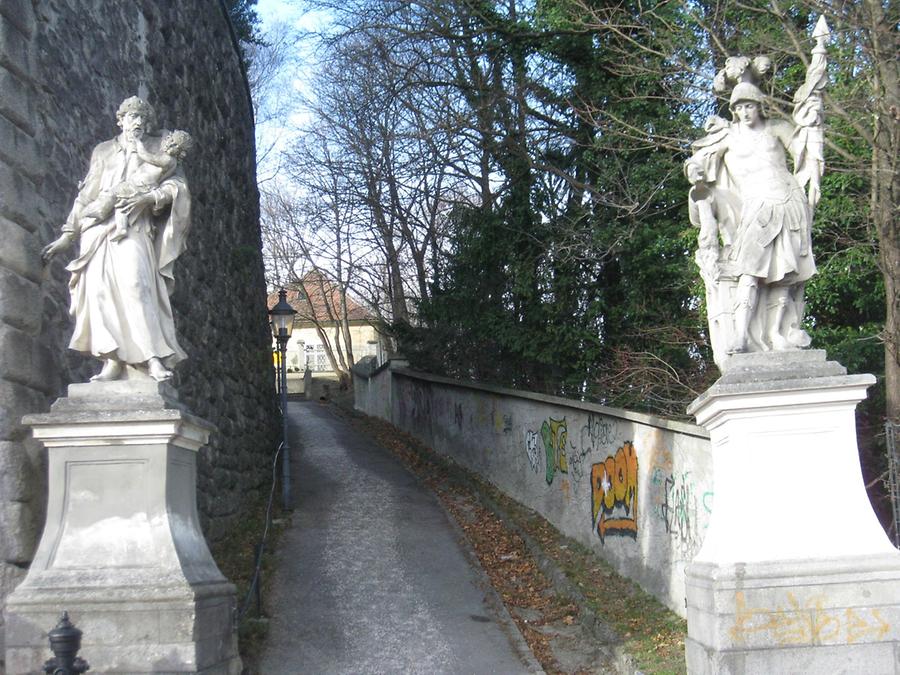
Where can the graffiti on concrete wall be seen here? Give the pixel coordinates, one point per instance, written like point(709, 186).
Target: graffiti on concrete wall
point(680, 504)
point(614, 494)
point(458, 415)
point(680, 513)
point(554, 434)
point(599, 433)
point(533, 449)
point(502, 422)
point(808, 623)
point(415, 405)
point(562, 452)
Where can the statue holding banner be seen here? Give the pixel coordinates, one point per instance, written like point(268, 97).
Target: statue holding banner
point(754, 214)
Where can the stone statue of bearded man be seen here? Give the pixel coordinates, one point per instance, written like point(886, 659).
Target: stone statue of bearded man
point(121, 281)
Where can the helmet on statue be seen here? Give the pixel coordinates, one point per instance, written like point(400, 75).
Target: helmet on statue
point(746, 91)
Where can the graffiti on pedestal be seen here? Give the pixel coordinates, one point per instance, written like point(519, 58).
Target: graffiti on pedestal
point(614, 494)
point(806, 623)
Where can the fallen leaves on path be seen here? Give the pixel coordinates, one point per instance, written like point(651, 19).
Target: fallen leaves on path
point(637, 630)
point(503, 555)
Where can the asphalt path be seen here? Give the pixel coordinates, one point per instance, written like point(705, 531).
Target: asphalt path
point(372, 575)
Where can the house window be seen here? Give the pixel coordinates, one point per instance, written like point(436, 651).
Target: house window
point(316, 359)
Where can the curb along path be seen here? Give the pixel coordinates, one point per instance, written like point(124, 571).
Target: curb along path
point(372, 576)
point(558, 622)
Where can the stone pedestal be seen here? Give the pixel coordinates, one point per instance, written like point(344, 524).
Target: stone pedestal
point(795, 574)
point(122, 548)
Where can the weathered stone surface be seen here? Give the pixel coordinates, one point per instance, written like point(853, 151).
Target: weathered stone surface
point(836, 615)
point(17, 400)
point(33, 362)
point(783, 365)
point(10, 577)
point(15, 103)
point(14, 53)
point(18, 201)
point(19, 461)
point(19, 13)
point(19, 150)
point(122, 542)
point(19, 529)
point(21, 301)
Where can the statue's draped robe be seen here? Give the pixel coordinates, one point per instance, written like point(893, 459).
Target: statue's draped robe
point(766, 225)
point(120, 289)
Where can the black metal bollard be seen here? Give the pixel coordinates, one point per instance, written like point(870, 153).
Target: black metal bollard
point(65, 641)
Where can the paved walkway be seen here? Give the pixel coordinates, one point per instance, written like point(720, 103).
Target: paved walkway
point(372, 576)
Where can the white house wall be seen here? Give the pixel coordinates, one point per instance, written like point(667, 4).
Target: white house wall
point(305, 341)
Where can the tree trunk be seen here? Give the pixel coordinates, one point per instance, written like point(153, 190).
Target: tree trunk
point(886, 189)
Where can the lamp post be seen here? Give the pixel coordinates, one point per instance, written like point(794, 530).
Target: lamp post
point(281, 316)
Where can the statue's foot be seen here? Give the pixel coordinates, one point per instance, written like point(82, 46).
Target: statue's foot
point(157, 371)
point(781, 343)
point(112, 370)
point(799, 338)
point(737, 347)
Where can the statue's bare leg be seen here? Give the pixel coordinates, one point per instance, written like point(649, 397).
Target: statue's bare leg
point(157, 370)
point(776, 337)
point(112, 370)
point(743, 313)
point(795, 333)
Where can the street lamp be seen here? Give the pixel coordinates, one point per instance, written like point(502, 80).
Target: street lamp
point(281, 317)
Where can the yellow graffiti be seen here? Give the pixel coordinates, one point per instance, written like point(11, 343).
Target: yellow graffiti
point(503, 422)
point(614, 493)
point(809, 624)
point(858, 629)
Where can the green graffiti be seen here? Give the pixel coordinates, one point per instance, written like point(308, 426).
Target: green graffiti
point(554, 433)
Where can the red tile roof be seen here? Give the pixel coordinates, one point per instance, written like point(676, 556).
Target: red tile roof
point(322, 293)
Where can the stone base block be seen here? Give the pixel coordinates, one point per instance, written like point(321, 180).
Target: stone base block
point(824, 616)
point(170, 635)
point(122, 550)
point(820, 660)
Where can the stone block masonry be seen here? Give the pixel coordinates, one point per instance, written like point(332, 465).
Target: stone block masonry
point(64, 68)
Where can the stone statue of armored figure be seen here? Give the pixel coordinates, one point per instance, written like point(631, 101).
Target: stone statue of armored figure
point(130, 219)
point(754, 213)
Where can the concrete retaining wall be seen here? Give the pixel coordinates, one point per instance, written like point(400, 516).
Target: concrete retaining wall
point(634, 488)
point(372, 388)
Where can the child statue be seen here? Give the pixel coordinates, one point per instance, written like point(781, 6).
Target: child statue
point(155, 169)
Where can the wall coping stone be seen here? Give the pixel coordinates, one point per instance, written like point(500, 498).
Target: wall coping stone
point(640, 418)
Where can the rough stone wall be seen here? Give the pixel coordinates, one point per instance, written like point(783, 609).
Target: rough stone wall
point(65, 65)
